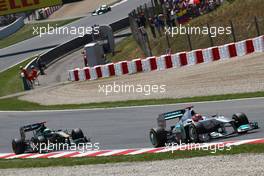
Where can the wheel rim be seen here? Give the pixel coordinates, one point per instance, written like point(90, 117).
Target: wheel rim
point(152, 138)
point(193, 134)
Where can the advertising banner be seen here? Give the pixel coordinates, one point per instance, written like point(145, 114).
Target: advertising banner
point(17, 6)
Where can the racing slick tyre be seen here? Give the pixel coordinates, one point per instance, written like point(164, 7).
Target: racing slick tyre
point(193, 134)
point(18, 146)
point(240, 119)
point(158, 137)
point(77, 134)
point(41, 140)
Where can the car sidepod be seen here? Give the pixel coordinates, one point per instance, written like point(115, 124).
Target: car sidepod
point(207, 126)
point(180, 133)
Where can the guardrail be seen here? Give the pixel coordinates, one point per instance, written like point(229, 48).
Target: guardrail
point(58, 52)
point(121, 24)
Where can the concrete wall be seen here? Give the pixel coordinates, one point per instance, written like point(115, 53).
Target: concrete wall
point(12, 28)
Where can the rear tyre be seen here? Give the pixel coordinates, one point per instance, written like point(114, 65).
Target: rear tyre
point(193, 134)
point(240, 119)
point(77, 134)
point(18, 146)
point(158, 137)
point(41, 140)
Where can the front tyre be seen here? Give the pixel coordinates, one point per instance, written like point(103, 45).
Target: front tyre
point(240, 119)
point(77, 134)
point(158, 137)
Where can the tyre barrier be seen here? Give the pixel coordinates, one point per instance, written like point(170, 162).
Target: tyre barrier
point(50, 10)
point(168, 61)
point(44, 13)
point(120, 152)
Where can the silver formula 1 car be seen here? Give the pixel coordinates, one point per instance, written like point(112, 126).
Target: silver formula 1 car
point(192, 127)
point(101, 10)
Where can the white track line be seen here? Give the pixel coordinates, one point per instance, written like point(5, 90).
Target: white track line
point(112, 152)
point(60, 155)
point(36, 156)
point(119, 3)
point(17, 156)
point(244, 142)
point(140, 151)
point(84, 154)
point(133, 107)
point(3, 155)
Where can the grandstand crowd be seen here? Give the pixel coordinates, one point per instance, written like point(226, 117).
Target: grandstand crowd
point(184, 10)
point(176, 12)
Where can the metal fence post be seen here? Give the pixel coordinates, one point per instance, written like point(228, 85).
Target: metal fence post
point(233, 31)
point(138, 10)
point(152, 3)
point(146, 11)
point(148, 43)
point(257, 26)
point(210, 36)
point(168, 41)
point(189, 41)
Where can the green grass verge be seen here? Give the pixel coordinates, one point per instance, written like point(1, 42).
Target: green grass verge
point(26, 32)
point(127, 47)
point(10, 104)
point(33, 163)
point(10, 79)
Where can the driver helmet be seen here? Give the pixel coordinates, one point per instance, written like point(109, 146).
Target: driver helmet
point(197, 117)
point(47, 131)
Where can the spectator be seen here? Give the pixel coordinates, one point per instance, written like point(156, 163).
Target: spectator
point(157, 25)
point(142, 20)
point(26, 79)
point(161, 20)
point(24, 71)
point(138, 22)
point(41, 67)
point(85, 58)
point(34, 75)
point(181, 11)
point(168, 18)
point(152, 27)
point(173, 17)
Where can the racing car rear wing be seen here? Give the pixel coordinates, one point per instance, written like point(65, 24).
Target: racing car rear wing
point(172, 115)
point(29, 128)
point(32, 127)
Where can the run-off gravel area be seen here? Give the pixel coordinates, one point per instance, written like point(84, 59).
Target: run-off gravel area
point(237, 165)
point(237, 75)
